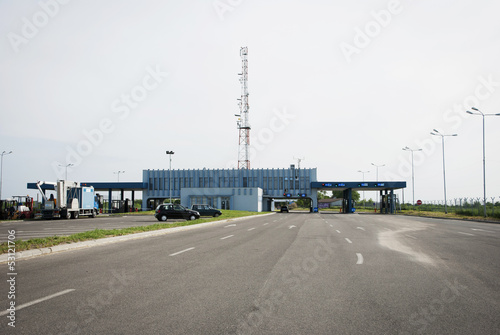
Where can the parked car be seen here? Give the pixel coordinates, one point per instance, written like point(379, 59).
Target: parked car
point(284, 209)
point(206, 210)
point(175, 211)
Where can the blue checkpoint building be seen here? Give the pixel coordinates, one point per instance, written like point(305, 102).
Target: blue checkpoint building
point(241, 189)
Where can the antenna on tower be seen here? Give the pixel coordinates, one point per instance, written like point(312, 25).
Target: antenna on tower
point(242, 123)
point(298, 165)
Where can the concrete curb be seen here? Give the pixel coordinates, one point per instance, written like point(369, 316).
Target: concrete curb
point(456, 219)
point(102, 241)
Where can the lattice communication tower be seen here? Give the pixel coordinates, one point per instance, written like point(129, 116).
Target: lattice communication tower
point(242, 123)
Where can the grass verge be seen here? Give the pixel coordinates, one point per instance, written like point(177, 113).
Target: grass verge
point(450, 215)
point(37, 243)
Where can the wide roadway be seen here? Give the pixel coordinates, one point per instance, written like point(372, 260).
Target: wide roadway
point(276, 274)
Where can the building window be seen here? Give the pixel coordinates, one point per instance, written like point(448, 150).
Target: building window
point(250, 192)
point(211, 181)
point(275, 183)
point(244, 191)
point(281, 183)
point(150, 184)
point(245, 182)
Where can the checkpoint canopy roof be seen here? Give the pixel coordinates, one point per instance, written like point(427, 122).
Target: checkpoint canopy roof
point(359, 185)
point(100, 186)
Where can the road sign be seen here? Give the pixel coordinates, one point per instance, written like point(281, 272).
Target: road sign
point(419, 202)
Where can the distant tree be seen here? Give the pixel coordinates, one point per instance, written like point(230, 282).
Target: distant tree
point(340, 194)
point(304, 203)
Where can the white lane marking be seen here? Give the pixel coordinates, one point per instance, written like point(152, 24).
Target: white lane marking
point(348, 240)
point(266, 223)
point(292, 226)
point(251, 229)
point(331, 226)
point(477, 229)
point(338, 231)
point(466, 233)
point(413, 237)
point(223, 238)
point(180, 252)
point(363, 229)
point(360, 258)
point(230, 225)
point(38, 301)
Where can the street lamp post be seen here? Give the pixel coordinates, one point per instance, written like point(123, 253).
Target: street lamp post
point(437, 133)
point(118, 173)
point(377, 166)
point(66, 166)
point(364, 201)
point(170, 153)
point(5, 153)
point(412, 173)
point(484, 152)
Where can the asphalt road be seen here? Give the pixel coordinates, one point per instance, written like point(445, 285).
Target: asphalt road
point(44, 228)
point(277, 274)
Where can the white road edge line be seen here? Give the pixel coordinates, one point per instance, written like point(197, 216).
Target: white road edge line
point(360, 258)
point(180, 252)
point(251, 229)
point(38, 301)
point(223, 238)
point(348, 240)
point(466, 233)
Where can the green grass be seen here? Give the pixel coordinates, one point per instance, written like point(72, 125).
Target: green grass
point(452, 215)
point(37, 243)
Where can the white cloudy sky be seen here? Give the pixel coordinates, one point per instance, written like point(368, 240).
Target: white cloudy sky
point(357, 81)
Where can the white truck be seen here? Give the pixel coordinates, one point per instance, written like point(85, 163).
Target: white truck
point(71, 200)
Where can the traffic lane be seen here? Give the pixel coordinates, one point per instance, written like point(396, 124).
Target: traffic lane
point(448, 284)
point(91, 271)
point(468, 263)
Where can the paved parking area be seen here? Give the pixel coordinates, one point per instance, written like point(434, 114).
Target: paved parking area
point(44, 228)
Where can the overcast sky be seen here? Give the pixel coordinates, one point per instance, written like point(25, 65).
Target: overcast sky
point(110, 85)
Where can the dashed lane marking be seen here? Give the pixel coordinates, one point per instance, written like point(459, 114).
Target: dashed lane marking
point(360, 258)
point(180, 252)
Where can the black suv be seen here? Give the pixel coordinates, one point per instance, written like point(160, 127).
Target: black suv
point(171, 211)
point(206, 210)
point(284, 209)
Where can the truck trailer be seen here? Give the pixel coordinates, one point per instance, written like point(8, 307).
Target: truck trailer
point(71, 201)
